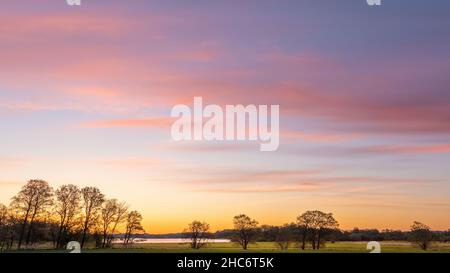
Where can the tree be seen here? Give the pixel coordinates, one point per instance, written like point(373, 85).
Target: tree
point(315, 224)
point(30, 202)
point(198, 234)
point(67, 207)
point(92, 201)
point(305, 222)
point(112, 213)
point(133, 225)
point(9, 227)
point(4, 214)
point(245, 228)
point(325, 222)
point(421, 235)
point(284, 236)
point(120, 217)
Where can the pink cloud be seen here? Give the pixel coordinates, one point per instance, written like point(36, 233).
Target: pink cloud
point(133, 162)
point(268, 189)
point(130, 123)
point(351, 101)
point(321, 138)
point(59, 24)
point(404, 149)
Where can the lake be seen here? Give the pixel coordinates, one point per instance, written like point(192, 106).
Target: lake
point(168, 241)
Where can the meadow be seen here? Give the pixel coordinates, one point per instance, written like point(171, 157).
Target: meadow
point(259, 247)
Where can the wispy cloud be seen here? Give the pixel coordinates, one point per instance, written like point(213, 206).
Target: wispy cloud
point(405, 149)
point(133, 162)
point(162, 123)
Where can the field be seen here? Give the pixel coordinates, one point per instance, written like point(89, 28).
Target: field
point(260, 247)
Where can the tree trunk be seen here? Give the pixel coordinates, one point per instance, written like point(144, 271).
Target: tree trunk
point(305, 233)
point(24, 225)
point(313, 240)
point(83, 238)
point(318, 239)
point(85, 229)
point(105, 236)
point(86, 224)
point(58, 239)
point(30, 228)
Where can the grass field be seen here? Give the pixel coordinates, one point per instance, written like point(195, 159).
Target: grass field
point(261, 247)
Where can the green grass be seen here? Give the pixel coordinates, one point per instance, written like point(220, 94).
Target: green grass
point(260, 247)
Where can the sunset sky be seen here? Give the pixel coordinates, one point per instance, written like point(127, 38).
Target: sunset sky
point(86, 94)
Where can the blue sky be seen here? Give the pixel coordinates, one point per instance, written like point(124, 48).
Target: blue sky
point(85, 94)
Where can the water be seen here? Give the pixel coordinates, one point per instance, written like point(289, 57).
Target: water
point(168, 241)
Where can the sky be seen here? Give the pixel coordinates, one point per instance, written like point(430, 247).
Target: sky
point(86, 94)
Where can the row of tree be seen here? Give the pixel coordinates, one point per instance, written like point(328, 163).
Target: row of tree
point(40, 213)
point(312, 228)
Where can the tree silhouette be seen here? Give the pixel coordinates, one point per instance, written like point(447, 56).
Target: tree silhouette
point(198, 234)
point(92, 201)
point(112, 213)
point(133, 225)
point(305, 223)
point(30, 202)
point(67, 207)
point(245, 228)
point(421, 235)
point(119, 218)
point(313, 225)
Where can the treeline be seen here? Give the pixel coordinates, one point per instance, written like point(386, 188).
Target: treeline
point(268, 233)
point(38, 213)
point(311, 230)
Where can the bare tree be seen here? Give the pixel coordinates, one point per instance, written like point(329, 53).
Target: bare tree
point(67, 207)
point(4, 214)
point(314, 225)
point(305, 222)
point(9, 229)
point(92, 202)
point(198, 234)
point(245, 228)
point(285, 235)
point(421, 235)
point(120, 218)
point(30, 202)
point(133, 225)
point(324, 223)
point(108, 215)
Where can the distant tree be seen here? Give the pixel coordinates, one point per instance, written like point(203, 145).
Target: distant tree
point(133, 225)
point(92, 202)
point(393, 235)
point(285, 236)
point(267, 233)
point(112, 214)
point(9, 228)
point(421, 235)
point(118, 219)
point(446, 236)
point(305, 222)
point(314, 225)
point(4, 215)
point(325, 223)
point(198, 234)
point(245, 228)
point(67, 207)
point(30, 202)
